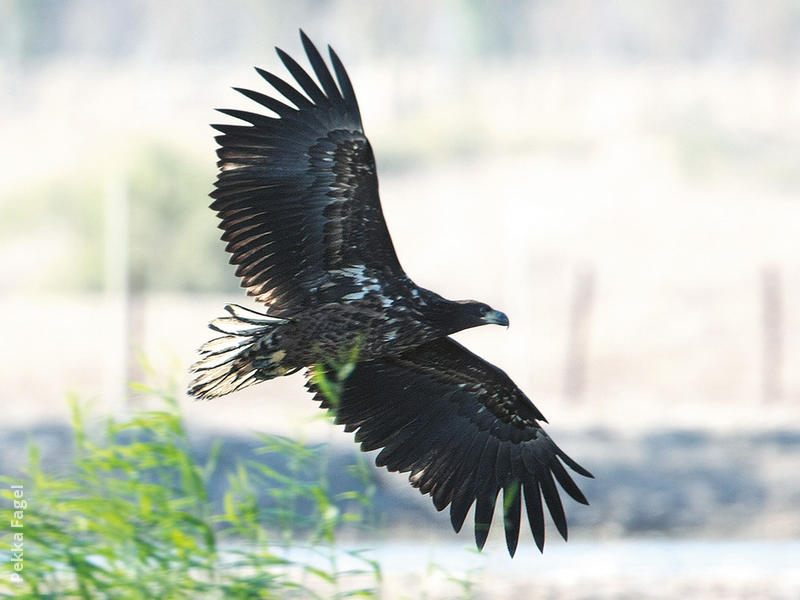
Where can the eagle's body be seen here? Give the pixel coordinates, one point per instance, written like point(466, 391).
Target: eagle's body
point(337, 328)
point(297, 196)
point(375, 322)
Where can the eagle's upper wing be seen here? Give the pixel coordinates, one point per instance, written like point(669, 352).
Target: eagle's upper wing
point(298, 194)
point(463, 430)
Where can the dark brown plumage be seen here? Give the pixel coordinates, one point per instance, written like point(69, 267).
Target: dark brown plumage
point(297, 196)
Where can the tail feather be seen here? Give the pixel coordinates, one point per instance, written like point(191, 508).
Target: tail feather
point(239, 358)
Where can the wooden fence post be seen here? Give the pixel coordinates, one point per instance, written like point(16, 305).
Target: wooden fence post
point(772, 333)
point(578, 329)
point(117, 222)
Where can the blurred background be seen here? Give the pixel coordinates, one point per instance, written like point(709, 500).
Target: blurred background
point(622, 178)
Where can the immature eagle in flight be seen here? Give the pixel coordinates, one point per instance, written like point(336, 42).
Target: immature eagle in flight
point(297, 196)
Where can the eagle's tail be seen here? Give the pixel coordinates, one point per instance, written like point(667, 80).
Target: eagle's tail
point(245, 355)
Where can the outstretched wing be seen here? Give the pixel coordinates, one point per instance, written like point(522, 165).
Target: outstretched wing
point(463, 430)
point(298, 194)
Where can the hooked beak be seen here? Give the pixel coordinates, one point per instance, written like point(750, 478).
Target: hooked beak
point(496, 318)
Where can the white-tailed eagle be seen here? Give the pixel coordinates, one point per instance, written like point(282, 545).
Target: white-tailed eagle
point(297, 196)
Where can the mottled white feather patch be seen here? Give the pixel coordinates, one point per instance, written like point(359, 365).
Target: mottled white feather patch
point(386, 302)
point(355, 295)
point(358, 275)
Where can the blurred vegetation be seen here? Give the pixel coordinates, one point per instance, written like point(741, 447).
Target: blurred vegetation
point(705, 147)
point(172, 242)
point(36, 30)
point(173, 245)
point(134, 520)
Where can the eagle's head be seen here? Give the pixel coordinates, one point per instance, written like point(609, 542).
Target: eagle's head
point(486, 314)
point(464, 314)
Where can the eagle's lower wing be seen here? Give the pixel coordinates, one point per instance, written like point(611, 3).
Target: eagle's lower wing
point(463, 430)
point(298, 194)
